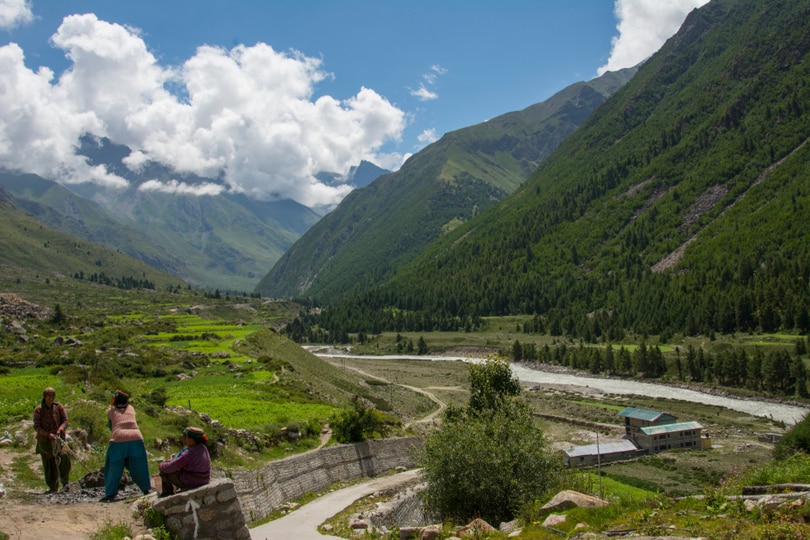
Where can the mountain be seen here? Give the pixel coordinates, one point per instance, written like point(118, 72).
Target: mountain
point(377, 230)
point(680, 205)
point(224, 241)
point(59, 208)
point(27, 247)
point(358, 176)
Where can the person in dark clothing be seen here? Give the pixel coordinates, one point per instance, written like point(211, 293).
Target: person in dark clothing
point(189, 469)
point(50, 423)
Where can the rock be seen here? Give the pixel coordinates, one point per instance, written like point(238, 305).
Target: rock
point(20, 437)
point(554, 519)
point(408, 533)
point(475, 528)
point(571, 499)
point(358, 524)
point(508, 526)
point(431, 532)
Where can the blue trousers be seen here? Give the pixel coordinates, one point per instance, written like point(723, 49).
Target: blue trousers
point(132, 455)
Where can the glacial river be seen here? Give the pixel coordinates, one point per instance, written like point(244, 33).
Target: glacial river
point(790, 414)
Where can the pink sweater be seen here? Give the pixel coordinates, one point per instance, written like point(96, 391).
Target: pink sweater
point(123, 425)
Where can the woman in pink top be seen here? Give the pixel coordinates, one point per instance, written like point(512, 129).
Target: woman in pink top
point(126, 449)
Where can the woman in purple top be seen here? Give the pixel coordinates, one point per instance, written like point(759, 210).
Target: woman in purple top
point(190, 468)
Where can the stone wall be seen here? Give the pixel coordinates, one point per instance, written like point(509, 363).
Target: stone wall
point(268, 488)
point(210, 512)
point(404, 510)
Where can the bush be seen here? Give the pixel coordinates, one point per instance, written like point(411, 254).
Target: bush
point(797, 439)
point(90, 417)
point(358, 423)
point(487, 465)
point(488, 460)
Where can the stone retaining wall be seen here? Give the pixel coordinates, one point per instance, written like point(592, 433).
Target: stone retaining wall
point(404, 510)
point(210, 512)
point(266, 489)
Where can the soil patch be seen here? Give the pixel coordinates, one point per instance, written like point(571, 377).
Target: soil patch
point(71, 514)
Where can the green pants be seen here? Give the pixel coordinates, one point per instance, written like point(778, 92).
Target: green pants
point(55, 470)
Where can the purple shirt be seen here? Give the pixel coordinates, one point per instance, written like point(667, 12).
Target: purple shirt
point(193, 465)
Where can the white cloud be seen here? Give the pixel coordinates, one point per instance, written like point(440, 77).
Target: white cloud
point(644, 25)
point(428, 136)
point(14, 13)
point(246, 113)
point(181, 188)
point(423, 94)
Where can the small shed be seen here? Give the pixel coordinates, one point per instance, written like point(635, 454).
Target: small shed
point(669, 436)
point(590, 455)
point(635, 419)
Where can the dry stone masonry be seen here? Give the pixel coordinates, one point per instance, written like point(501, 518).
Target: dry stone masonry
point(210, 512)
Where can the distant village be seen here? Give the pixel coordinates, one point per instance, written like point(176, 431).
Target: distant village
point(645, 432)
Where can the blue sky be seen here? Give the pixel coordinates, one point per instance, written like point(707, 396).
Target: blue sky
point(265, 94)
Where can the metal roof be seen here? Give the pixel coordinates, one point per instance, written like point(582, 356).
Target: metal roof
point(671, 428)
point(603, 449)
point(643, 414)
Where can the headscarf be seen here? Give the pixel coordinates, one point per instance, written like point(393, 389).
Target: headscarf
point(195, 433)
point(48, 391)
point(120, 399)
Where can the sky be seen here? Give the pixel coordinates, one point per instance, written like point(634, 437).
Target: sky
point(265, 94)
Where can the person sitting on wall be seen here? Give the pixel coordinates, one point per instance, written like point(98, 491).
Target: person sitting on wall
point(190, 468)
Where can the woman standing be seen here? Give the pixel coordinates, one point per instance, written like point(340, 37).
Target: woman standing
point(126, 449)
point(50, 423)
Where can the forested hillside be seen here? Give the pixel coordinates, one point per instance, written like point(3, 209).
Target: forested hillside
point(27, 247)
point(376, 231)
point(680, 206)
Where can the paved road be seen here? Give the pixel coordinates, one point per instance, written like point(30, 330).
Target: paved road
point(302, 523)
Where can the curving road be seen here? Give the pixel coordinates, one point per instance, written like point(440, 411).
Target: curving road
point(302, 523)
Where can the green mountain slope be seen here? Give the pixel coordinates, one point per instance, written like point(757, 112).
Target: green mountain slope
point(379, 229)
point(679, 206)
point(27, 247)
point(224, 242)
point(59, 208)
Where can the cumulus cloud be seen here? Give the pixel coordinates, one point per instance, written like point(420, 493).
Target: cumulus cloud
point(246, 115)
point(644, 25)
point(428, 136)
point(15, 13)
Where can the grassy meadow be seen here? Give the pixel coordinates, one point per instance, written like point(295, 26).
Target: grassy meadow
point(219, 363)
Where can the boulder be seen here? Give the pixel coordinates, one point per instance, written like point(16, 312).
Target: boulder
point(431, 532)
point(553, 520)
point(572, 499)
point(476, 528)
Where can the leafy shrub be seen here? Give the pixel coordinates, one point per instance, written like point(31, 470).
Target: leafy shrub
point(797, 439)
point(112, 532)
point(90, 417)
point(358, 423)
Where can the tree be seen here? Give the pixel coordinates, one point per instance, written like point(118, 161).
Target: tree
point(491, 383)
point(358, 423)
point(421, 346)
point(489, 459)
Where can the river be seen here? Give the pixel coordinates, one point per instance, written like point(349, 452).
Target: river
point(789, 414)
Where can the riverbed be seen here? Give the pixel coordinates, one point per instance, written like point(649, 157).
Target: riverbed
point(789, 414)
